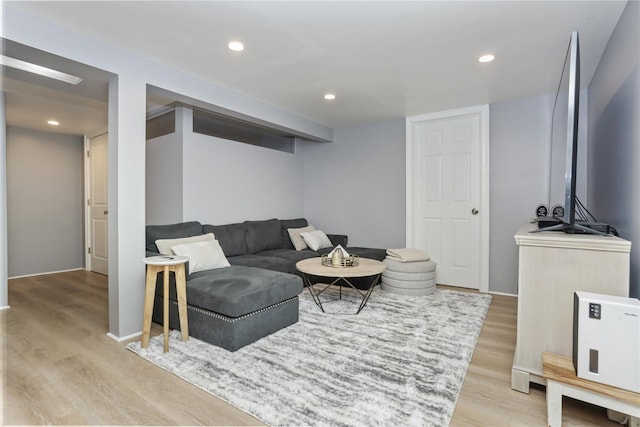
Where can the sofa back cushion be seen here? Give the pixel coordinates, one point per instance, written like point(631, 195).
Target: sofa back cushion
point(232, 237)
point(263, 235)
point(286, 224)
point(170, 231)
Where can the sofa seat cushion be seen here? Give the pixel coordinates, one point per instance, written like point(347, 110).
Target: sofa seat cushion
point(291, 255)
point(260, 261)
point(235, 291)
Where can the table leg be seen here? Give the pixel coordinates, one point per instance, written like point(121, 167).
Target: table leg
point(165, 314)
point(554, 404)
point(314, 296)
point(366, 297)
point(181, 291)
point(149, 295)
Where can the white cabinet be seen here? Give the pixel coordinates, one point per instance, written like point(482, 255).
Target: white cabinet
point(552, 265)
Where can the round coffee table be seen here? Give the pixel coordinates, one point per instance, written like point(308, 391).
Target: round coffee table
point(366, 267)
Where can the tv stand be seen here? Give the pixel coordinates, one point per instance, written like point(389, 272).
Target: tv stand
point(552, 266)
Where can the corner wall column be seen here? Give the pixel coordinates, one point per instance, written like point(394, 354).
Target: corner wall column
point(4, 284)
point(127, 105)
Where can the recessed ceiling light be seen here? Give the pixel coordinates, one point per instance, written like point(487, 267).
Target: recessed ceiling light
point(38, 69)
point(53, 122)
point(486, 58)
point(329, 96)
point(236, 46)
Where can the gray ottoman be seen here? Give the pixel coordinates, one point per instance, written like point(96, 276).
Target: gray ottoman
point(234, 306)
point(409, 278)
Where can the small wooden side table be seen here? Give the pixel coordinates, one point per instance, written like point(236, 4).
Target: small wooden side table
point(165, 264)
point(562, 381)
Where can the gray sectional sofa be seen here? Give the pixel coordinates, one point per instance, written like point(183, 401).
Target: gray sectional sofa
point(257, 294)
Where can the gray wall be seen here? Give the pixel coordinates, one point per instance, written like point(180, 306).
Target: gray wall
point(519, 180)
point(356, 185)
point(227, 181)
point(45, 202)
point(370, 160)
point(520, 169)
point(191, 176)
point(163, 169)
point(163, 175)
point(614, 136)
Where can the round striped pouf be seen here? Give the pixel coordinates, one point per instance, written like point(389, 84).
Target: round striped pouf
point(409, 278)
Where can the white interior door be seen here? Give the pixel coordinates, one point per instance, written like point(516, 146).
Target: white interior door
point(448, 200)
point(98, 205)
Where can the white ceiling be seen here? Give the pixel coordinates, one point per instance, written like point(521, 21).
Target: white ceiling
point(382, 59)
point(32, 100)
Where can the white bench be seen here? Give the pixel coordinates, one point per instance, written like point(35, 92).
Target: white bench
point(562, 381)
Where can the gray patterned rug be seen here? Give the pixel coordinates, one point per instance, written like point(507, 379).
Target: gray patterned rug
point(401, 361)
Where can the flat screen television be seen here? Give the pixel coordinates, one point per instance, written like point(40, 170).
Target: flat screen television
point(564, 147)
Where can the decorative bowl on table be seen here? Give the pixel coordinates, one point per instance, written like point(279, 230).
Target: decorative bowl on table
point(348, 261)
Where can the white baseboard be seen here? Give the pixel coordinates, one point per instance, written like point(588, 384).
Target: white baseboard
point(48, 272)
point(504, 294)
point(121, 339)
point(6, 307)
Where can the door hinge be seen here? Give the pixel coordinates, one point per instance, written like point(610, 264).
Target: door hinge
point(88, 202)
point(88, 153)
point(89, 251)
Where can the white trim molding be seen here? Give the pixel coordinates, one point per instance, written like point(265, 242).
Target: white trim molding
point(125, 338)
point(47, 272)
point(4, 245)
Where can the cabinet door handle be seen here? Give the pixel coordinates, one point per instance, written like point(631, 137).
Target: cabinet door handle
point(106, 212)
point(474, 211)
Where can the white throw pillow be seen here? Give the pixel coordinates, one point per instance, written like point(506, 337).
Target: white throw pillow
point(205, 255)
point(165, 245)
point(296, 238)
point(316, 239)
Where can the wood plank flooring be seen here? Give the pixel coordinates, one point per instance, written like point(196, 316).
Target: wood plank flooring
point(59, 367)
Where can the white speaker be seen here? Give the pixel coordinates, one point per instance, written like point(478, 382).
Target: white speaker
point(606, 339)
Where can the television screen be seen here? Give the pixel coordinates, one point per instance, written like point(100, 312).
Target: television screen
point(564, 137)
point(568, 211)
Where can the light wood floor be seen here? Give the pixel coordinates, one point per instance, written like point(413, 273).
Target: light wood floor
point(59, 367)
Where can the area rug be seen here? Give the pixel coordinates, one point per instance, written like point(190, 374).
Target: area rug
point(401, 361)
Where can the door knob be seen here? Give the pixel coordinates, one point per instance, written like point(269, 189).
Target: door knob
point(474, 211)
point(106, 212)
